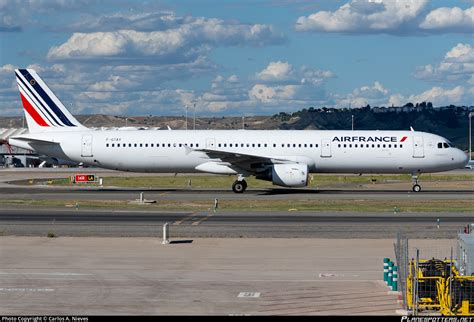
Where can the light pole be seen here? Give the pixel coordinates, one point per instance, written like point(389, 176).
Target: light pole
point(186, 117)
point(194, 117)
point(352, 122)
point(471, 114)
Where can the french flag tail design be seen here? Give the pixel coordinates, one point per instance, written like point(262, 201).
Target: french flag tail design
point(43, 110)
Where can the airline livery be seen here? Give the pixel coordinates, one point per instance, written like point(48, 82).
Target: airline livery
point(286, 158)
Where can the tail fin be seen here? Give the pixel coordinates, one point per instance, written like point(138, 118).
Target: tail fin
point(43, 110)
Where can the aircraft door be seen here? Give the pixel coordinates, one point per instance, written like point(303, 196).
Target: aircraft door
point(210, 143)
point(418, 149)
point(326, 148)
point(86, 150)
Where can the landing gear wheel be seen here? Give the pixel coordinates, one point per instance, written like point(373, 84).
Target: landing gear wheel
point(416, 188)
point(239, 186)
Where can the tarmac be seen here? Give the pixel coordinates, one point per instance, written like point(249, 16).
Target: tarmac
point(218, 263)
point(225, 276)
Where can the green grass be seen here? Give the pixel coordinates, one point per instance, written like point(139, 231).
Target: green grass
point(218, 182)
point(360, 205)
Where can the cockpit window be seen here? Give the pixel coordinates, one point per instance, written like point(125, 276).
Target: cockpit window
point(445, 145)
point(440, 145)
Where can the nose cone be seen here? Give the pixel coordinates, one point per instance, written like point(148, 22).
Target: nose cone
point(462, 157)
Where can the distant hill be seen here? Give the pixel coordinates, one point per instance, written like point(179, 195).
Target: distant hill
point(449, 121)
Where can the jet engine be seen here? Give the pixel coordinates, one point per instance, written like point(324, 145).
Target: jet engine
point(286, 175)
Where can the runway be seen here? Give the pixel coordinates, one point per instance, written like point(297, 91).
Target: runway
point(81, 222)
point(95, 193)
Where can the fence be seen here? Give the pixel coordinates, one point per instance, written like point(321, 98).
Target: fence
point(433, 284)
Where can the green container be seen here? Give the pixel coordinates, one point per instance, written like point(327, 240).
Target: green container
point(390, 272)
point(395, 279)
point(386, 260)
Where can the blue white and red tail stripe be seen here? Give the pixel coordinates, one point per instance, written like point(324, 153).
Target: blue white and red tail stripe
point(43, 110)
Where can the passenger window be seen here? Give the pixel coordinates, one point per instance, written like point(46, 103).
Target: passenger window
point(197, 145)
point(230, 145)
point(130, 145)
point(355, 145)
point(401, 145)
point(146, 145)
point(258, 145)
point(378, 145)
point(345, 145)
point(253, 145)
point(384, 146)
point(338, 145)
point(107, 145)
point(274, 145)
point(113, 145)
point(394, 145)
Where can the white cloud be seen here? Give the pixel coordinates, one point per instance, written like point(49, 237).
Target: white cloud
point(16, 14)
point(388, 16)
point(182, 43)
point(276, 71)
point(450, 19)
point(284, 73)
point(360, 16)
point(437, 95)
point(375, 95)
point(457, 66)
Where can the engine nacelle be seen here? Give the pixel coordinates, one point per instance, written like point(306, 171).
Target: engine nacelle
point(287, 175)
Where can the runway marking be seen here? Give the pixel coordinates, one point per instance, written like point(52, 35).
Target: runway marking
point(249, 294)
point(48, 274)
point(26, 289)
point(179, 222)
point(203, 219)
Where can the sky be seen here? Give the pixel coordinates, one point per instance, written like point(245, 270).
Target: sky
point(238, 57)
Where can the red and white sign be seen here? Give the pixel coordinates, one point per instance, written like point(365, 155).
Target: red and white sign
point(85, 178)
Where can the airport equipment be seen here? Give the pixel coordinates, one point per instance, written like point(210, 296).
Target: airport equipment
point(390, 274)
point(466, 253)
point(166, 231)
point(385, 269)
point(395, 279)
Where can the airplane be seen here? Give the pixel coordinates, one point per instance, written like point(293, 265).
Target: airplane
point(284, 157)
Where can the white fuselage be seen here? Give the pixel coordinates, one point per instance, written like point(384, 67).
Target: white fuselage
point(323, 151)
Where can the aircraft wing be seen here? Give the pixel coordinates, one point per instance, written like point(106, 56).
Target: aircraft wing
point(248, 162)
point(30, 140)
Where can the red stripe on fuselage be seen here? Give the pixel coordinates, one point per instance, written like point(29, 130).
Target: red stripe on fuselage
point(403, 139)
point(30, 109)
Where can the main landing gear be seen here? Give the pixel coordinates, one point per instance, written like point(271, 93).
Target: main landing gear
point(239, 185)
point(416, 186)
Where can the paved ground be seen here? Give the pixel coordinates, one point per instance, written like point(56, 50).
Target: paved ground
point(204, 276)
point(39, 221)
